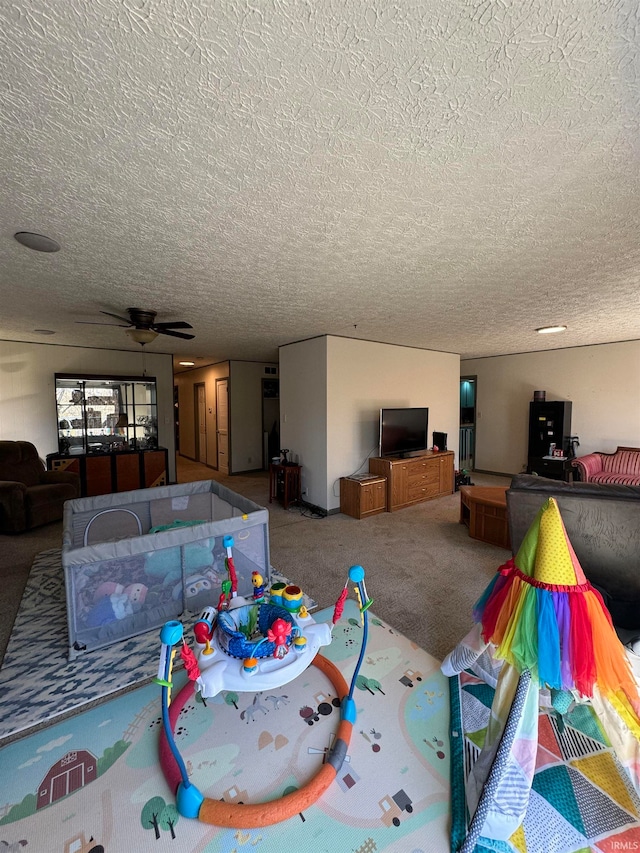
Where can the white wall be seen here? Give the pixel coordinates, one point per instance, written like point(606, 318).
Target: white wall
point(331, 392)
point(27, 388)
point(246, 414)
point(602, 383)
point(303, 413)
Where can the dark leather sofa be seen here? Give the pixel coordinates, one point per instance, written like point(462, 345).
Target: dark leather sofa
point(30, 495)
point(603, 525)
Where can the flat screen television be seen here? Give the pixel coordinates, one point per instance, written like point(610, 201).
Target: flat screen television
point(403, 431)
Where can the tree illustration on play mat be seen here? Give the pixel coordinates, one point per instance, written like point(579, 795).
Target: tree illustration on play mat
point(231, 698)
point(291, 789)
point(157, 815)
point(370, 684)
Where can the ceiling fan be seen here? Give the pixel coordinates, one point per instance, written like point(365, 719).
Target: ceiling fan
point(141, 327)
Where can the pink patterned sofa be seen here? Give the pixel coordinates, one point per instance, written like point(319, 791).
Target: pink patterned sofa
point(622, 467)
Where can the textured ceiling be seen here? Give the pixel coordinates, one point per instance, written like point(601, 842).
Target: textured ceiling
point(447, 174)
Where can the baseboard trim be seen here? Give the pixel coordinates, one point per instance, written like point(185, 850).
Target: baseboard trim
point(493, 473)
point(318, 510)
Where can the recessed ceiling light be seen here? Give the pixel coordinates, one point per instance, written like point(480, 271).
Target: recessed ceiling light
point(38, 242)
point(550, 330)
point(44, 332)
point(187, 363)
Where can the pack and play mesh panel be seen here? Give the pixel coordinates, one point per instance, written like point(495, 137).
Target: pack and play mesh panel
point(121, 580)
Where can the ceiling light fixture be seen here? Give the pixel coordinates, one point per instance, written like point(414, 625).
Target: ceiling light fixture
point(187, 363)
point(43, 332)
point(37, 242)
point(550, 330)
point(142, 336)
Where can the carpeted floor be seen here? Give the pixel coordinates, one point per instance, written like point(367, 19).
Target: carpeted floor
point(424, 572)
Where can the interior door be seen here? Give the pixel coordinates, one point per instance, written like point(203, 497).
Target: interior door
point(222, 420)
point(201, 423)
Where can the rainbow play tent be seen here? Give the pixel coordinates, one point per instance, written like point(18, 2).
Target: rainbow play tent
point(544, 638)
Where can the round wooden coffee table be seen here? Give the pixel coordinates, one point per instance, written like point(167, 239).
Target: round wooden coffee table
point(484, 510)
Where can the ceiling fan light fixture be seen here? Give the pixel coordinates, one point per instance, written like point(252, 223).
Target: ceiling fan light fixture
point(142, 336)
point(550, 330)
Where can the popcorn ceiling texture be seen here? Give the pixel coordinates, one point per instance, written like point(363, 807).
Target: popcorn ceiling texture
point(447, 174)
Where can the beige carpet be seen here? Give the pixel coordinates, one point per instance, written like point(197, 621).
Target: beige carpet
point(422, 569)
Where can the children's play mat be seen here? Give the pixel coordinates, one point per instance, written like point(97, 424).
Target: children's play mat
point(97, 773)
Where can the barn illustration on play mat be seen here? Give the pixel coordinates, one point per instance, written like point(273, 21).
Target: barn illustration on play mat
point(73, 771)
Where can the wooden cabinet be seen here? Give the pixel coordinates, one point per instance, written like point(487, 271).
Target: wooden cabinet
point(104, 473)
point(361, 498)
point(154, 468)
point(416, 479)
point(127, 471)
point(98, 476)
point(447, 476)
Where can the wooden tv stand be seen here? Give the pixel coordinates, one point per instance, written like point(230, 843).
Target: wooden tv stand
point(415, 479)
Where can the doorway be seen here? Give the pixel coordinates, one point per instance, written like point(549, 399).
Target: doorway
point(201, 422)
point(176, 416)
point(270, 421)
point(468, 397)
point(222, 424)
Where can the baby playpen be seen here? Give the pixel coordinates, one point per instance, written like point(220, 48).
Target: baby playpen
point(133, 560)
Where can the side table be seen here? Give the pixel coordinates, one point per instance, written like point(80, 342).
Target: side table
point(484, 510)
point(284, 483)
point(554, 468)
point(363, 497)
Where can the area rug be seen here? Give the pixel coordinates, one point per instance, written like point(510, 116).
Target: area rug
point(96, 775)
point(582, 798)
point(38, 682)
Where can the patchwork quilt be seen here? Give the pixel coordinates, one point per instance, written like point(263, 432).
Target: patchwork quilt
point(582, 798)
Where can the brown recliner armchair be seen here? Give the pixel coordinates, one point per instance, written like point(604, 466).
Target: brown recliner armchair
point(29, 495)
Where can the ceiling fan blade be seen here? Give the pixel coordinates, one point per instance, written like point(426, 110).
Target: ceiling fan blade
point(96, 323)
point(175, 334)
point(126, 320)
point(180, 324)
